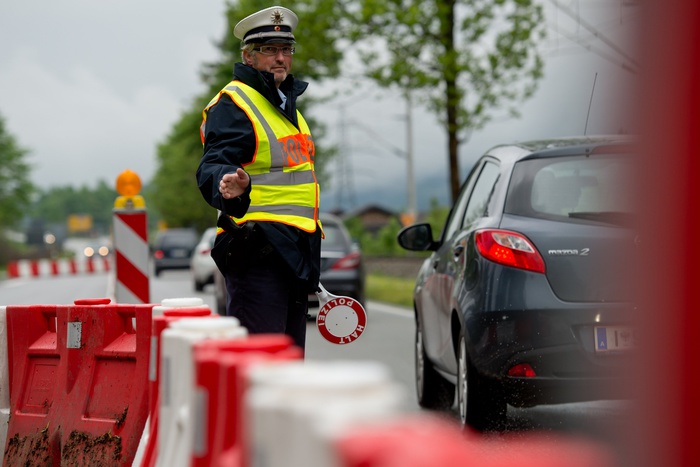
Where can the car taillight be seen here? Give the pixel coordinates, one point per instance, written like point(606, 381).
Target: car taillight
point(509, 248)
point(349, 261)
point(158, 254)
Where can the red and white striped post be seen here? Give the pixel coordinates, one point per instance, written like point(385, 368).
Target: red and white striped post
point(130, 233)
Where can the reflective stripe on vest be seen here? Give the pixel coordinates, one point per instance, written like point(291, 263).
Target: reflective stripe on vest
point(284, 185)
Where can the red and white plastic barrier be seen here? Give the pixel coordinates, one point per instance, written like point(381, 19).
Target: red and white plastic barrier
point(296, 409)
point(177, 383)
point(170, 310)
point(78, 380)
point(221, 365)
point(57, 267)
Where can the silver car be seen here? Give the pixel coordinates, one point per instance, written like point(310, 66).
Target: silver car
point(202, 265)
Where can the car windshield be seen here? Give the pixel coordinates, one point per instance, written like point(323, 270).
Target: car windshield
point(584, 188)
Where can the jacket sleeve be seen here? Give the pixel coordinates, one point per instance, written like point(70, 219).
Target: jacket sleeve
point(229, 144)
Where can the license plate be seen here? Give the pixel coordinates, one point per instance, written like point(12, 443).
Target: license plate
point(178, 253)
point(613, 338)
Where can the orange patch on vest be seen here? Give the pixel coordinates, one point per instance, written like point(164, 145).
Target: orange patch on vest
point(298, 149)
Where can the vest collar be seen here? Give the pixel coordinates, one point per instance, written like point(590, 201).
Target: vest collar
point(264, 83)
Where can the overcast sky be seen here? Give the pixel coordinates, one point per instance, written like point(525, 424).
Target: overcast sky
point(91, 86)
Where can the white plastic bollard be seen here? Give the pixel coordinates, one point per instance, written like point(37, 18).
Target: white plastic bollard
point(177, 383)
point(158, 310)
point(296, 409)
point(4, 378)
point(185, 302)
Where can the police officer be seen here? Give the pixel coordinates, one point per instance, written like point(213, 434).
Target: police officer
point(257, 169)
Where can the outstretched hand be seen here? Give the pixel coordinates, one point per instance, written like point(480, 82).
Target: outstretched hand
point(234, 185)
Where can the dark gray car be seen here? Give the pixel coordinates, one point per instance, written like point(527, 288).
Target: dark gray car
point(526, 298)
point(173, 249)
point(342, 266)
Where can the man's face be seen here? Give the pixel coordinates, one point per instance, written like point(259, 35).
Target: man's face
point(278, 64)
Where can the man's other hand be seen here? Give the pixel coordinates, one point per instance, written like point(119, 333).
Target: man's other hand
point(234, 185)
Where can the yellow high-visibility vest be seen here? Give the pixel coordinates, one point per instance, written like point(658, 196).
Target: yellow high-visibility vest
point(284, 188)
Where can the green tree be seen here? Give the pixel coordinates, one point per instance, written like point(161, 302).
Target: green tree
point(15, 187)
point(437, 217)
point(178, 200)
point(54, 205)
point(467, 58)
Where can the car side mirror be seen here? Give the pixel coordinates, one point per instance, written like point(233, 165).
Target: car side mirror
point(418, 237)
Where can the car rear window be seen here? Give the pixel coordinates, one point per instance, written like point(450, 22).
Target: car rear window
point(580, 188)
point(334, 238)
point(178, 240)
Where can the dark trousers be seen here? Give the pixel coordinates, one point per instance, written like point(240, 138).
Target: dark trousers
point(267, 298)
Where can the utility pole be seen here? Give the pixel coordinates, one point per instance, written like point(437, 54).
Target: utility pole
point(344, 166)
point(410, 177)
point(409, 216)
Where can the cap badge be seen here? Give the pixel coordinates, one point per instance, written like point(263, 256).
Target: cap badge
point(277, 17)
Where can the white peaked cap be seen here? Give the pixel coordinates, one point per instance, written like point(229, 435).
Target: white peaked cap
point(273, 24)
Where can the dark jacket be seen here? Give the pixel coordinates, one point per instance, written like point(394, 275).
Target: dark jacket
point(229, 142)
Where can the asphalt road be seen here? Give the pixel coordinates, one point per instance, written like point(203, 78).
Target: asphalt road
point(388, 339)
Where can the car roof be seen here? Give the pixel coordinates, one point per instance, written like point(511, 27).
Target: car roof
point(179, 231)
point(329, 218)
point(557, 147)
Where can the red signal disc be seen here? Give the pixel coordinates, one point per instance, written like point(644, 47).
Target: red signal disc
point(341, 320)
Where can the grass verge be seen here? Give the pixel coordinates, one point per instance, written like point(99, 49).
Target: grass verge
point(389, 289)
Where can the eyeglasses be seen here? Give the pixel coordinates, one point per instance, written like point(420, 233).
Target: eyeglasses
point(272, 50)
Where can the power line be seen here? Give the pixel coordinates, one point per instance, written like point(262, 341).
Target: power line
point(387, 145)
point(593, 30)
point(596, 51)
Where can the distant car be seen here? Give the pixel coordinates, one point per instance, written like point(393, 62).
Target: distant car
point(525, 299)
point(173, 249)
point(202, 265)
point(88, 247)
point(101, 247)
point(342, 268)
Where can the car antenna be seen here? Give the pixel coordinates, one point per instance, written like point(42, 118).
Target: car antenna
point(590, 102)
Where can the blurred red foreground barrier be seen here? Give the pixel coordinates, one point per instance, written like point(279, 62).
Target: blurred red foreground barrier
point(220, 380)
point(425, 441)
point(78, 382)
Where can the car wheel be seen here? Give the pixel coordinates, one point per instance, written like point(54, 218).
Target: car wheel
point(433, 391)
point(157, 272)
point(480, 404)
point(198, 286)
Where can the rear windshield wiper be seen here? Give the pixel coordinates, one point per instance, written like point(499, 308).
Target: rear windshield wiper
point(609, 217)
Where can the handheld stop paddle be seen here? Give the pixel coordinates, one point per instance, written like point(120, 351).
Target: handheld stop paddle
point(340, 320)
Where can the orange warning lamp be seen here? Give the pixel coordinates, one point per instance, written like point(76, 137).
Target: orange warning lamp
point(128, 183)
point(129, 186)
